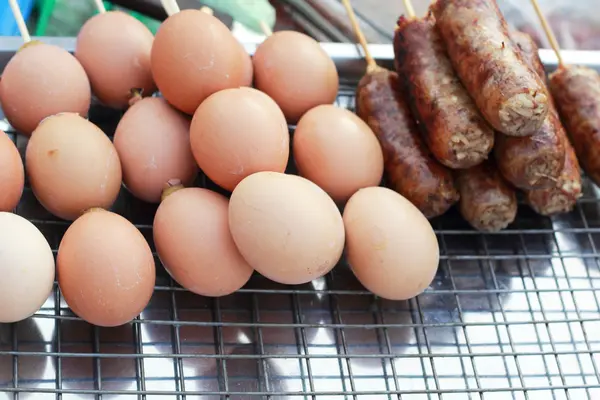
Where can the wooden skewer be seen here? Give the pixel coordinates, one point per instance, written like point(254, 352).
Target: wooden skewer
point(16, 10)
point(265, 28)
point(207, 10)
point(100, 6)
point(548, 31)
point(410, 10)
point(371, 64)
point(170, 6)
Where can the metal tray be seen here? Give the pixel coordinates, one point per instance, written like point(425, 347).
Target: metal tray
point(510, 315)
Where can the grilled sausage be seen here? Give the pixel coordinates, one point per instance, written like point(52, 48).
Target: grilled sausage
point(457, 135)
point(576, 93)
point(410, 169)
point(562, 197)
point(487, 202)
point(509, 94)
point(536, 161)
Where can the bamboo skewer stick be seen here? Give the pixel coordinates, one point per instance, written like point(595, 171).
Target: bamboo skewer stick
point(548, 31)
point(100, 6)
point(16, 10)
point(371, 64)
point(410, 10)
point(170, 6)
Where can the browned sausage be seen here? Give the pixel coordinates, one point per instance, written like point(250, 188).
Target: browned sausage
point(487, 202)
point(576, 93)
point(410, 168)
point(457, 135)
point(562, 197)
point(509, 94)
point(536, 161)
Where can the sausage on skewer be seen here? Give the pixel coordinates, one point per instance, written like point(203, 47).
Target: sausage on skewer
point(536, 161)
point(410, 168)
point(509, 94)
point(487, 202)
point(456, 133)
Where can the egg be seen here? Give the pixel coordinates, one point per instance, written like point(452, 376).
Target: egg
point(192, 238)
point(26, 267)
point(105, 269)
point(12, 174)
point(390, 245)
point(286, 227)
point(338, 151)
point(296, 72)
point(153, 143)
point(72, 166)
point(41, 80)
point(237, 132)
point(114, 49)
point(193, 56)
point(248, 69)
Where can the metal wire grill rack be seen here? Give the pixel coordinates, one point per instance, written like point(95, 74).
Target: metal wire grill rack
point(511, 315)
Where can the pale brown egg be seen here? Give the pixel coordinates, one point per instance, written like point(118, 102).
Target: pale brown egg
point(286, 227)
point(338, 151)
point(193, 56)
point(390, 245)
point(237, 132)
point(296, 72)
point(114, 49)
point(41, 80)
point(192, 238)
point(26, 267)
point(248, 69)
point(105, 269)
point(72, 166)
point(12, 174)
point(153, 142)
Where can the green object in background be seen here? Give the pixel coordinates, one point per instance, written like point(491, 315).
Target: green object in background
point(249, 13)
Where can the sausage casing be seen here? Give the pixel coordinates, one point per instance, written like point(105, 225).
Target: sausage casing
point(509, 94)
point(410, 168)
point(563, 196)
point(530, 52)
point(487, 202)
point(456, 133)
point(576, 93)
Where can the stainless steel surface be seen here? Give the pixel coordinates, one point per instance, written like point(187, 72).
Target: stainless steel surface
point(511, 315)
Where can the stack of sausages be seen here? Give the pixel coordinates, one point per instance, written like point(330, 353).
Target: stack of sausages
point(468, 118)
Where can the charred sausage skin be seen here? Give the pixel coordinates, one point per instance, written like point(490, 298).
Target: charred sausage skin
point(487, 202)
point(563, 196)
point(576, 93)
point(410, 168)
point(455, 132)
point(509, 94)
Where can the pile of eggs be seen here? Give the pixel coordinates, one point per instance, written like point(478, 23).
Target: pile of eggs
point(222, 112)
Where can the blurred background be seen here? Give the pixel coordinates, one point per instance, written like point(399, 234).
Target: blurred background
point(576, 23)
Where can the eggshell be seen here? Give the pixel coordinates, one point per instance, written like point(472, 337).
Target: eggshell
point(338, 151)
point(193, 56)
point(296, 72)
point(114, 49)
point(12, 174)
point(248, 69)
point(72, 166)
point(26, 267)
point(41, 80)
point(390, 245)
point(192, 238)
point(105, 269)
point(237, 132)
point(153, 143)
point(286, 227)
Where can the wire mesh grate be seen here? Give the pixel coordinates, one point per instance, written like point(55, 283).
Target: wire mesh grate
point(511, 315)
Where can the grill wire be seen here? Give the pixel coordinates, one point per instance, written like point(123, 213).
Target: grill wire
point(510, 315)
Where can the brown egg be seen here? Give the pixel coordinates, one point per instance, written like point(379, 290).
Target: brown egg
point(153, 142)
point(191, 233)
point(237, 132)
point(286, 227)
point(72, 166)
point(12, 174)
point(41, 80)
point(338, 151)
point(390, 245)
point(114, 49)
point(105, 269)
point(296, 72)
point(193, 56)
